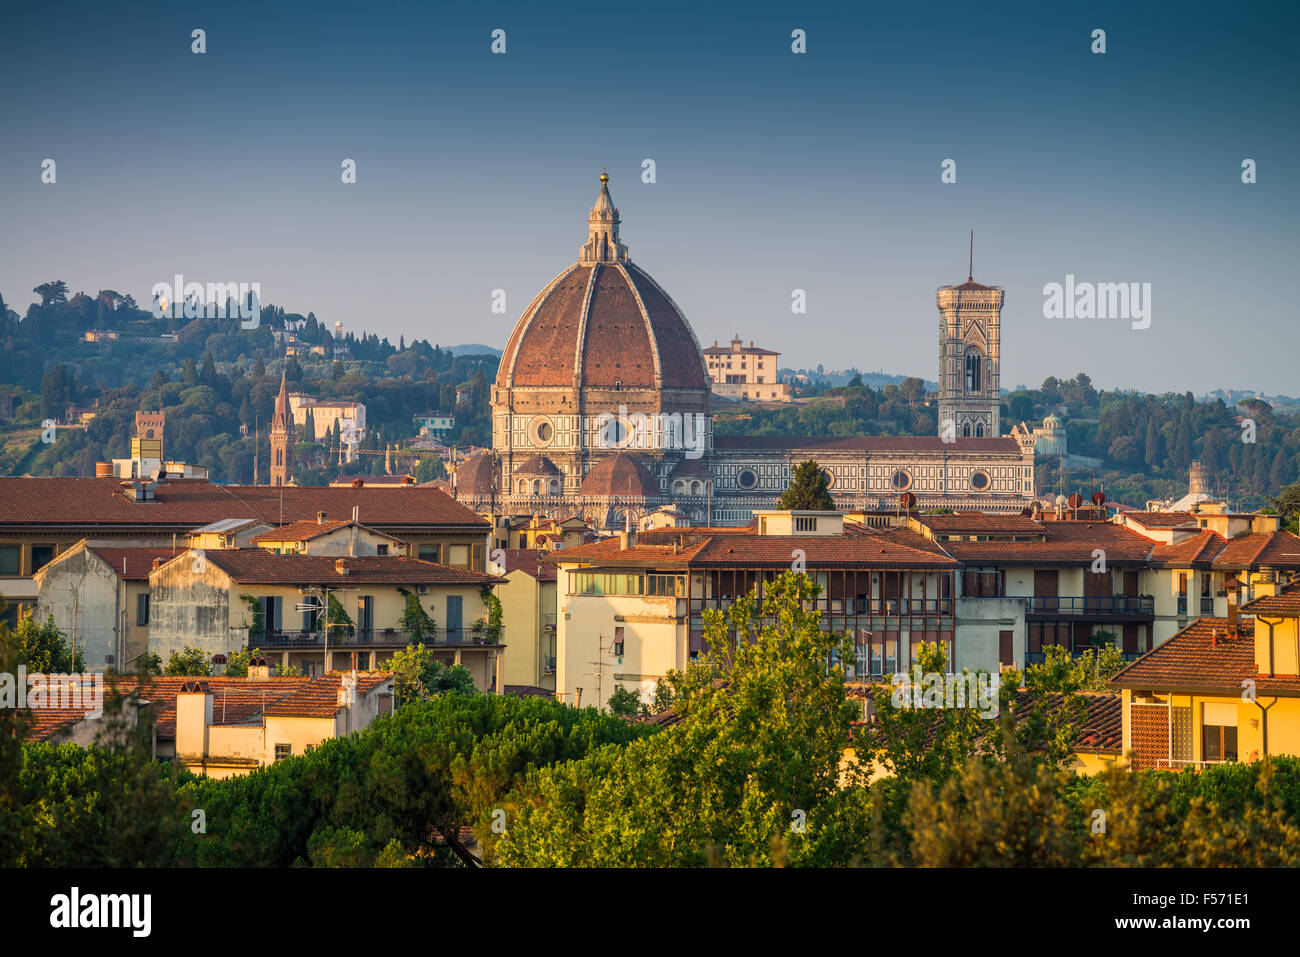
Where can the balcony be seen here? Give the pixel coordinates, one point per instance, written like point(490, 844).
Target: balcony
point(1143, 605)
point(1182, 604)
point(362, 638)
point(548, 622)
point(1039, 657)
point(1207, 605)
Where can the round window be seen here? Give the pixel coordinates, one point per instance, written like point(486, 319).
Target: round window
point(979, 481)
point(542, 432)
point(747, 478)
point(901, 480)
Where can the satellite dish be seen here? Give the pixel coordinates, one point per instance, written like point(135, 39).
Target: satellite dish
point(1098, 498)
point(1060, 500)
point(1076, 500)
point(907, 500)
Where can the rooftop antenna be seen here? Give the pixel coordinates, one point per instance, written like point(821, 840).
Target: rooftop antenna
point(970, 271)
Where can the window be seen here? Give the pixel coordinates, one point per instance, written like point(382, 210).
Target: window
point(10, 559)
point(805, 523)
point(428, 553)
point(458, 556)
point(381, 549)
point(901, 480)
point(672, 585)
point(1220, 742)
point(979, 481)
point(618, 641)
point(973, 372)
point(454, 609)
point(746, 478)
point(283, 751)
point(142, 609)
point(271, 607)
point(42, 555)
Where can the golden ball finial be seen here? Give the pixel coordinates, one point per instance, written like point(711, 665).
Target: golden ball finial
point(604, 177)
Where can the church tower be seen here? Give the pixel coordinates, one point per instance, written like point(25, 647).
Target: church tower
point(282, 437)
point(970, 320)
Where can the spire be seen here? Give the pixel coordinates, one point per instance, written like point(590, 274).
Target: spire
point(282, 421)
point(602, 230)
point(970, 272)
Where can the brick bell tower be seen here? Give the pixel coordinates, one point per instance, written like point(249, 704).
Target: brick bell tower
point(283, 438)
point(970, 333)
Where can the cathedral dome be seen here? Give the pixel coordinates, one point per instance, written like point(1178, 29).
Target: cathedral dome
point(603, 323)
point(619, 476)
point(474, 475)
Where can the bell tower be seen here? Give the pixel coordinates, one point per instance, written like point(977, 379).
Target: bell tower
point(282, 437)
point(970, 332)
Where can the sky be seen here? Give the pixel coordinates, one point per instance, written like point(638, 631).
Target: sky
point(774, 170)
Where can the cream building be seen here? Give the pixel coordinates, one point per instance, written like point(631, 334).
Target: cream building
point(747, 373)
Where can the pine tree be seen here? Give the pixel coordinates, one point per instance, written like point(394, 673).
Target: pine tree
point(808, 490)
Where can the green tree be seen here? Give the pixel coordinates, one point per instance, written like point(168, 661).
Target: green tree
point(44, 648)
point(417, 674)
point(808, 490)
point(625, 703)
point(189, 661)
point(742, 778)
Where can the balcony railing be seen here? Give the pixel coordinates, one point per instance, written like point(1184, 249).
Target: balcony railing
point(854, 606)
point(1172, 763)
point(1092, 605)
point(289, 640)
point(1182, 604)
point(548, 621)
point(1038, 657)
point(1207, 605)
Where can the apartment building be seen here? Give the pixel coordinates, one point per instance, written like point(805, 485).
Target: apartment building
point(746, 373)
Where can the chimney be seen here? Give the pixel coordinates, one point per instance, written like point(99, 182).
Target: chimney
point(340, 566)
point(193, 718)
point(1233, 587)
point(627, 537)
point(320, 518)
point(352, 542)
point(258, 669)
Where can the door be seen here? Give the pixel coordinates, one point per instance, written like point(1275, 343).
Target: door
point(365, 616)
point(454, 617)
point(1006, 647)
point(1046, 588)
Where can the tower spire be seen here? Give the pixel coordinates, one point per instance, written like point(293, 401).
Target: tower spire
point(970, 271)
point(602, 244)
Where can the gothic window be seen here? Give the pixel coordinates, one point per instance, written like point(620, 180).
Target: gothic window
point(979, 431)
point(695, 488)
point(965, 431)
point(973, 370)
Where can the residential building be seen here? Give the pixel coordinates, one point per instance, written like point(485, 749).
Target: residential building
point(745, 373)
point(98, 595)
point(42, 517)
point(222, 727)
point(1222, 689)
point(226, 600)
point(325, 537)
point(227, 533)
point(631, 608)
point(528, 606)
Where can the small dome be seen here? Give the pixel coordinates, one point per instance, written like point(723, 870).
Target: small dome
point(537, 465)
point(474, 475)
point(622, 476)
point(1051, 422)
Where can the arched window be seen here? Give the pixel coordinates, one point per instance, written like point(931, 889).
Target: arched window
point(522, 486)
point(979, 431)
point(965, 431)
point(973, 372)
point(537, 487)
point(679, 487)
point(555, 486)
point(695, 488)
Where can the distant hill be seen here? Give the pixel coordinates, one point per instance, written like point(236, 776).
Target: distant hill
point(472, 349)
point(876, 380)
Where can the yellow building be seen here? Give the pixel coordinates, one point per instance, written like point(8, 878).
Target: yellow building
point(747, 373)
point(1222, 689)
point(528, 605)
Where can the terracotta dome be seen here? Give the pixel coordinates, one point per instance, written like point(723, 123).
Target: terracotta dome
point(474, 475)
point(620, 475)
point(603, 322)
point(537, 465)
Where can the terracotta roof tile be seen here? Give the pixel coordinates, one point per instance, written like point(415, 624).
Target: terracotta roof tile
point(261, 566)
point(1189, 662)
point(133, 564)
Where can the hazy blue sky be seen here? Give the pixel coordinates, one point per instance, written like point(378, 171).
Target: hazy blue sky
point(775, 171)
